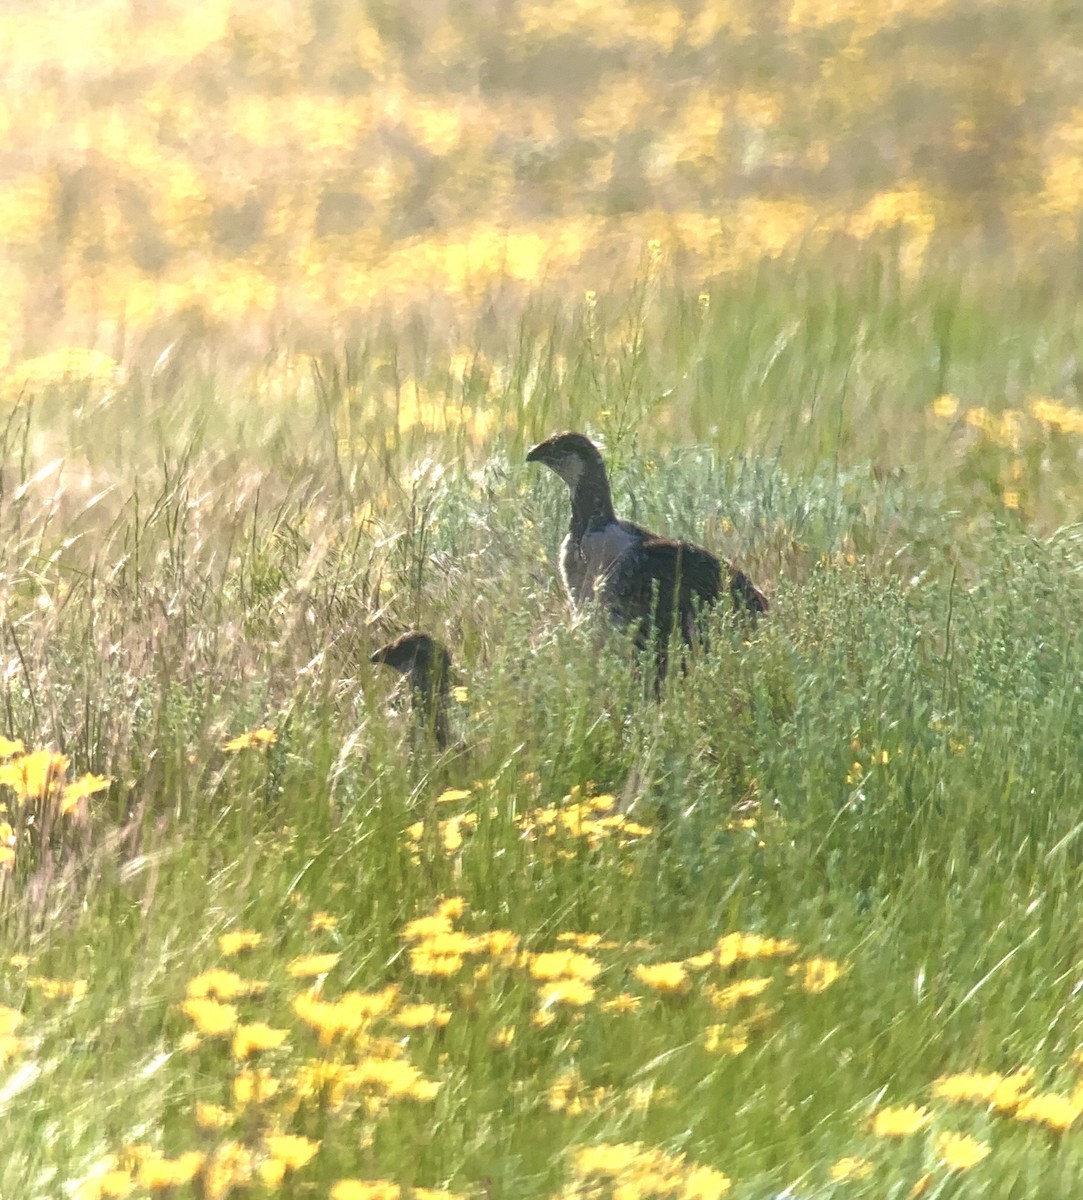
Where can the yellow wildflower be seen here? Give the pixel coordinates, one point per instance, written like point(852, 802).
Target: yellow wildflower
point(230, 1166)
point(817, 974)
point(290, 1149)
point(637, 1170)
point(423, 928)
point(744, 989)
point(587, 941)
point(10, 746)
point(960, 1151)
point(574, 992)
point(255, 739)
point(608, 1159)
point(109, 1185)
point(452, 796)
point(1002, 1091)
point(7, 844)
point(55, 989)
point(312, 964)
point(743, 947)
point(241, 939)
point(426, 962)
point(417, 1016)
point(502, 944)
point(250, 1039)
point(945, 407)
point(271, 1173)
point(210, 1016)
point(323, 922)
point(157, 1173)
point(1054, 1111)
point(700, 962)
point(254, 1085)
point(452, 830)
point(10, 1020)
point(670, 978)
point(557, 964)
point(33, 776)
point(850, 1167)
point(898, 1122)
point(212, 1116)
point(395, 1077)
point(704, 1183)
point(224, 985)
point(503, 1037)
point(623, 1002)
point(347, 1015)
point(567, 1093)
point(726, 1039)
point(83, 788)
point(358, 1189)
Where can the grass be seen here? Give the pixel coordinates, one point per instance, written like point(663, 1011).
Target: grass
point(883, 776)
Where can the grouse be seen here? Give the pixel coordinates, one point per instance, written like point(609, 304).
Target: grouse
point(427, 663)
point(641, 579)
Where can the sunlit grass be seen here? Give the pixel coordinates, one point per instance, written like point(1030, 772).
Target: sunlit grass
point(459, 158)
point(288, 292)
point(310, 946)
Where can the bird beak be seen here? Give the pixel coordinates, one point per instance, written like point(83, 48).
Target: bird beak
point(537, 453)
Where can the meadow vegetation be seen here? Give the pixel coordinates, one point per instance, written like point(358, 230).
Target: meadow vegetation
point(290, 289)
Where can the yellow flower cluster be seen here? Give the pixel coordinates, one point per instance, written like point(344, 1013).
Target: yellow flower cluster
point(960, 1151)
point(568, 1094)
point(900, 1122)
point(593, 818)
point(10, 1043)
point(38, 777)
point(1008, 427)
point(636, 1172)
point(1011, 1095)
point(254, 739)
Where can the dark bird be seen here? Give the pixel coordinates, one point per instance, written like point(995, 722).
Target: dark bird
point(641, 579)
point(427, 664)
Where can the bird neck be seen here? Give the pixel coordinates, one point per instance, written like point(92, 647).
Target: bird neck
point(432, 692)
point(592, 503)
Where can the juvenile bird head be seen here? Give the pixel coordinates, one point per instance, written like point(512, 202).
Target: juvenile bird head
point(420, 656)
point(570, 455)
point(427, 664)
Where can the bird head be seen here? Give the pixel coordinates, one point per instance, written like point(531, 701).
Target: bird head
point(569, 455)
point(418, 655)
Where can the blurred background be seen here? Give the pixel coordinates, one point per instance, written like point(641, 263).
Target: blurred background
point(260, 168)
point(408, 193)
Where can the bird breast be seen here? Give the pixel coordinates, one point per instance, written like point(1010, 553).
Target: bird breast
point(583, 563)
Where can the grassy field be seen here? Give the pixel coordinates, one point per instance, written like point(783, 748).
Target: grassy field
point(616, 947)
point(290, 290)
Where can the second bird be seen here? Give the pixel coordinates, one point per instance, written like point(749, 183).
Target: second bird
point(639, 577)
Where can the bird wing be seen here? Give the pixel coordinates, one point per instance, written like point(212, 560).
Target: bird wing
point(666, 582)
point(661, 582)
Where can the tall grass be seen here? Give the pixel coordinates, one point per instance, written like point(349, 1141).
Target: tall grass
point(884, 774)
